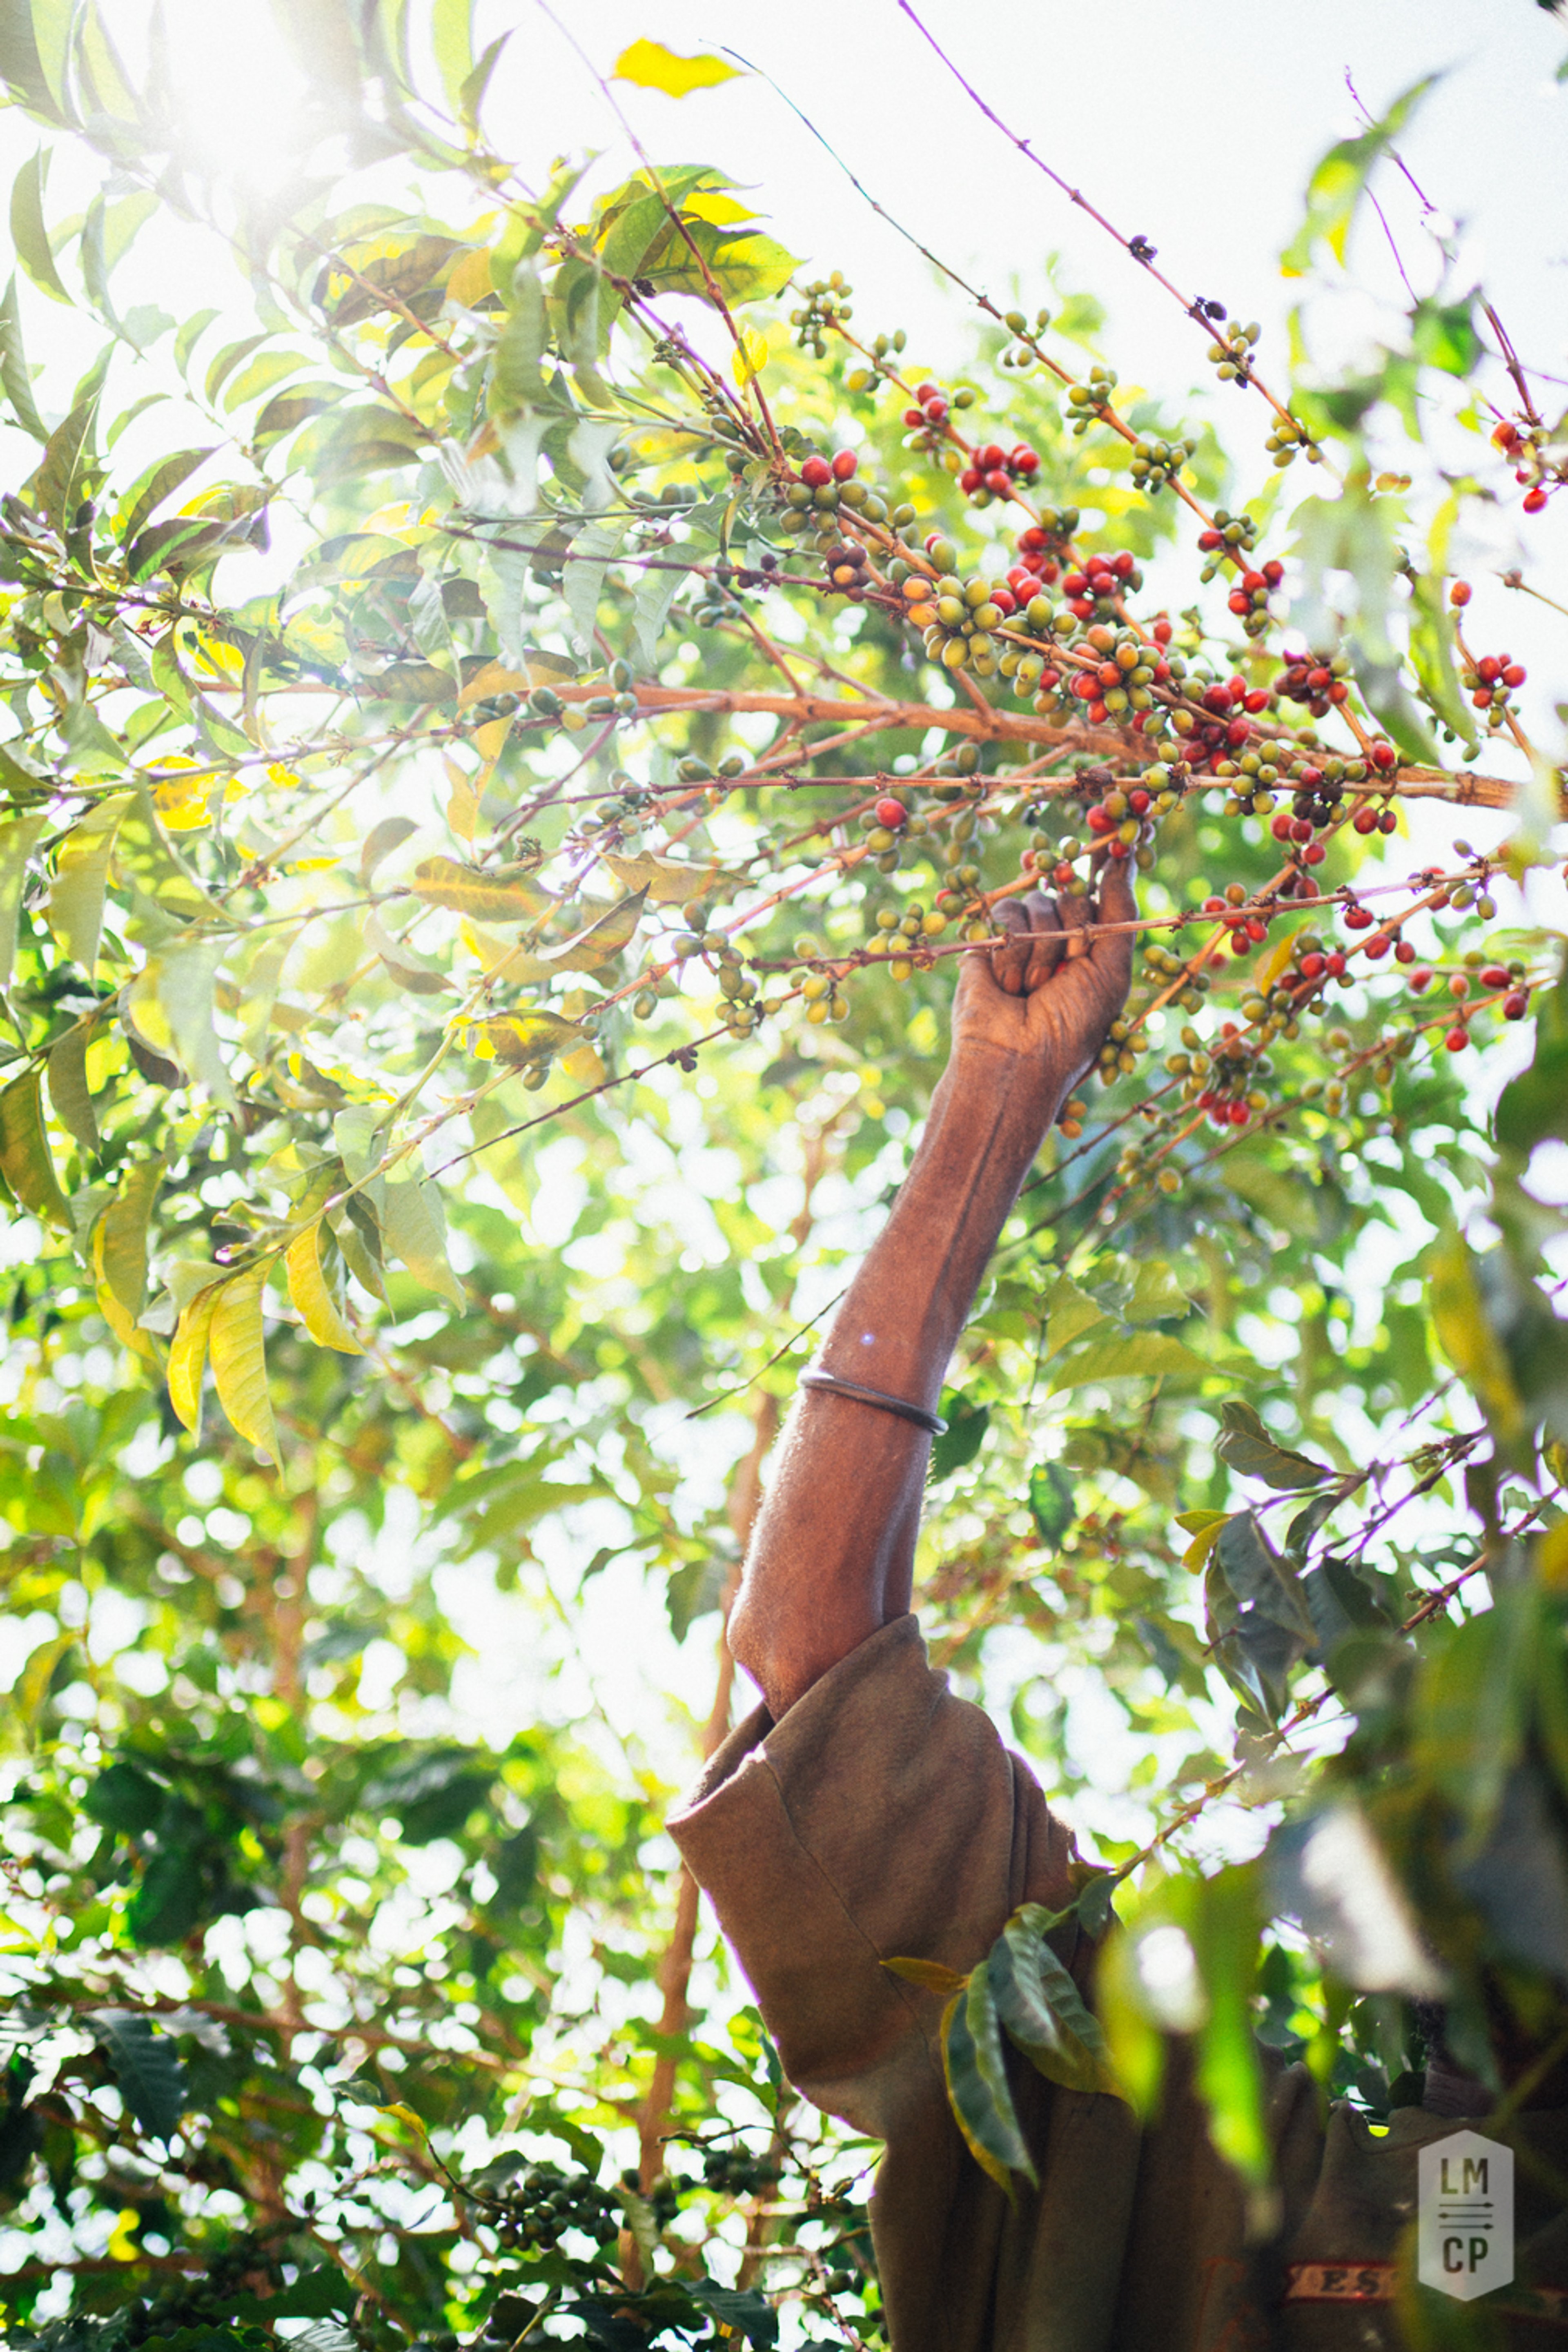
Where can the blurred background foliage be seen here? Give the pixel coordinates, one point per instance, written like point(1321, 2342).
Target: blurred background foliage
point(447, 1002)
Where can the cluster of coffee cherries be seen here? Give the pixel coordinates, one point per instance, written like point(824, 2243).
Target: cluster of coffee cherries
point(741, 1012)
point(1043, 545)
point(1525, 449)
point(1153, 463)
point(826, 308)
point(1319, 680)
point(1091, 399)
point(1228, 535)
point(927, 416)
point(957, 617)
point(1490, 682)
point(1248, 600)
point(545, 2201)
point(203, 2303)
point(1231, 351)
point(993, 472)
point(736, 2172)
point(1506, 988)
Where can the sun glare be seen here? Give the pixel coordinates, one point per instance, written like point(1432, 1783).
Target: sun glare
point(239, 89)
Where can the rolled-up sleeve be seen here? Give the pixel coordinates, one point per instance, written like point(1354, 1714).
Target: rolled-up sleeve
point(882, 1818)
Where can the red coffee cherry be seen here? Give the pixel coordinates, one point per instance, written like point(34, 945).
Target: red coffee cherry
point(815, 473)
point(845, 466)
point(1516, 1005)
point(1534, 500)
point(1457, 1040)
point(891, 812)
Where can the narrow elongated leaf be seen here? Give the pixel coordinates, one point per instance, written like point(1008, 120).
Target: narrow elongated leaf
point(237, 1345)
point(414, 1230)
point(14, 373)
point(1129, 1356)
point(74, 908)
point(29, 237)
point(990, 2131)
point(70, 1097)
point(381, 841)
point(313, 1301)
point(930, 1974)
point(123, 1227)
point(160, 482)
point(407, 967)
point(188, 1355)
point(1255, 1574)
point(18, 839)
point(68, 467)
point(165, 897)
point(485, 896)
point(184, 975)
point(589, 951)
point(26, 1161)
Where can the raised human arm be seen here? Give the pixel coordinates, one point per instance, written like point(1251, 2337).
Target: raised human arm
point(832, 1556)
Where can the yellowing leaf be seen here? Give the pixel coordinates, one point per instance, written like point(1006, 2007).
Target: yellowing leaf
point(120, 1241)
point(313, 1301)
point(750, 356)
point(521, 1038)
point(26, 1162)
point(494, 678)
point(1469, 1341)
point(239, 1358)
point(663, 881)
point(470, 280)
point(584, 1066)
point(1552, 1558)
point(1274, 964)
point(188, 1355)
point(930, 1974)
point(463, 808)
point(488, 897)
point(651, 66)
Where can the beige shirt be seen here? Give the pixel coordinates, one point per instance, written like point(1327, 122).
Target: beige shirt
point(883, 1818)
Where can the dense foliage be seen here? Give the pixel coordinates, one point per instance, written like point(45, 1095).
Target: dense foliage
point(468, 997)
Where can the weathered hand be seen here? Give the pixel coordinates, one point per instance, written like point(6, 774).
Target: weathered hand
point(1049, 996)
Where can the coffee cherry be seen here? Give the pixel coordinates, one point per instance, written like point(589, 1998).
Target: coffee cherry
point(891, 812)
point(817, 473)
point(1516, 1005)
point(1457, 1040)
point(845, 466)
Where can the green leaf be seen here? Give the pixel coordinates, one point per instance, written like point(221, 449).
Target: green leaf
point(29, 235)
point(1041, 2007)
point(960, 1441)
point(1337, 185)
point(68, 468)
point(1052, 1501)
point(123, 1799)
point(26, 1162)
point(159, 482)
point(18, 838)
point(583, 579)
point(452, 43)
point(146, 2067)
point(516, 380)
point(414, 1227)
point(974, 2071)
point(1249, 1448)
point(1472, 1346)
point(13, 372)
point(182, 977)
point(237, 1345)
point(1226, 1931)
point(743, 265)
point(1443, 335)
point(651, 66)
point(165, 895)
point(598, 944)
point(1255, 1574)
point(1534, 1106)
point(70, 1097)
point(1130, 1355)
point(22, 65)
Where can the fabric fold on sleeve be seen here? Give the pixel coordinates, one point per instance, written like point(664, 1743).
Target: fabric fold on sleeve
point(882, 1818)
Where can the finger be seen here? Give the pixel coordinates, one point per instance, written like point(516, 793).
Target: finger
point(1118, 904)
point(1045, 939)
point(1075, 915)
point(1010, 961)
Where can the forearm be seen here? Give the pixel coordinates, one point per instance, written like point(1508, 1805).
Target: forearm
point(832, 1556)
